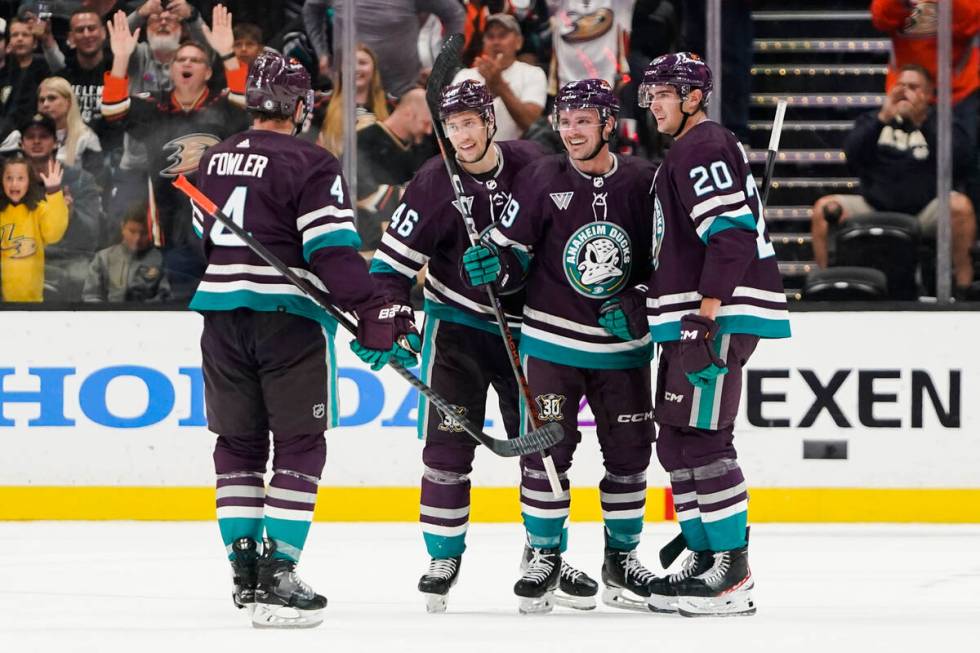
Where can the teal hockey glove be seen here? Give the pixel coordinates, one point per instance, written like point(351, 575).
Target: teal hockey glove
point(481, 264)
point(699, 361)
point(625, 315)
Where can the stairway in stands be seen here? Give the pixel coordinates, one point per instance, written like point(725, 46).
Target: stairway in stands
point(827, 60)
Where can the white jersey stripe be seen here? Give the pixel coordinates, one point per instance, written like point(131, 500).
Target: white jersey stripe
point(563, 323)
point(402, 249)
point(716, 201)
point(329, 211)
point(400, 267)
point(581, 345)
point(263, 270)
point(310, 234)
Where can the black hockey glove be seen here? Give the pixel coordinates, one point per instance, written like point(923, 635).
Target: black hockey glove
point(699, 361)
point(625, 315)
point(386, 329)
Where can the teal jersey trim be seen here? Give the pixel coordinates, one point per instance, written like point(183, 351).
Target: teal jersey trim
point(747, 324)
point(197, 232)
point(339, 238)
point(744, 221)
point(380, 267)
point(452, 314)
point(619, 360)
point(269, 303)
point(523, 258)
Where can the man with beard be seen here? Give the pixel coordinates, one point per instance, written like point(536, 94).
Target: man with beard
point(176, 128)
point(66, 262)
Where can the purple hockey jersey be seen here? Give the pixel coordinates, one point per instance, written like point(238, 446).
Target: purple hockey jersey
point(589, 239)
point(289, 194)
point(710, 240)
point(428, 228)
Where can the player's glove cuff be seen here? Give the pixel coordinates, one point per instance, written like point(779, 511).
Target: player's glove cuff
point(625, 315)
point(699, 361)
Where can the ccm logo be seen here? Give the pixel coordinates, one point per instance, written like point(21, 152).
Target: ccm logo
point(689, 335)
point(635, 417)
point(670, 396)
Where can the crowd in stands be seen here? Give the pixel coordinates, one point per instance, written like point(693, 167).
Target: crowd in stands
point(104, 102)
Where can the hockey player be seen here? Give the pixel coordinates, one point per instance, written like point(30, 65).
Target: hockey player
point(267, 348)
point(715, 291)
point(584, 216)
point(463, 353)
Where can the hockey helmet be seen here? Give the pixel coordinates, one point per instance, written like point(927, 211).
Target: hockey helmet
point(468, 95)
point(587, 94)
point(682, 70)
point(275, 84)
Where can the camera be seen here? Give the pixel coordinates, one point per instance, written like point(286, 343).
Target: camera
point(43, 11)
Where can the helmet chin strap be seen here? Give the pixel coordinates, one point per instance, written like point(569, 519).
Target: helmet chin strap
point(491, 132)
point(603, 141)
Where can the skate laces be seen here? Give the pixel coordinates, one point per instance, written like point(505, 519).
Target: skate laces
point(569, 572)
point(687, 570)
point(442, 567)
point(718, 570)
point(539, 566)
point(633, 566)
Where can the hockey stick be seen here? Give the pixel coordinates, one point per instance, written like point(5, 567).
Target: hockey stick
point(676, 546)
point(536, 440)
point(443, 70)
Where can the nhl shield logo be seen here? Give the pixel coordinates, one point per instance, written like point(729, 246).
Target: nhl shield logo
point(448, 423)
point(597, 259)
point(319, 410)
point(550, 407)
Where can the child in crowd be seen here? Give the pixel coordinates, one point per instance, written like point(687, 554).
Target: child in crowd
point(131, 271)
point(33, 214)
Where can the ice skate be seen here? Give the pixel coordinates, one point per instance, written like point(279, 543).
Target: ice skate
point(663, 595)
point(724, 590)
point(627, 581)
point(576, 590)
point(243, 572)
point(536, 588)
point(437, 581)
point(282, 599)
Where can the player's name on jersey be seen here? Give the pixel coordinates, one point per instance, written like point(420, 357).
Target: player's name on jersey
point(237, 164)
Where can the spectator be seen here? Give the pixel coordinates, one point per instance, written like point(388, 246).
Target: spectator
point(519, 89)
point(389, 27)
point(370, 96)
point(66, 263)
point(589, 40)
point(176, 128)
point(85, 64)
point(33, 215)
point(77, 143)
point(248, 43)
point(23, 71)
point(389, 152)
point(893, 152)
point(131, 271)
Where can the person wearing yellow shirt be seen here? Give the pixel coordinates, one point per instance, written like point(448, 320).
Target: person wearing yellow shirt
point(30, 219)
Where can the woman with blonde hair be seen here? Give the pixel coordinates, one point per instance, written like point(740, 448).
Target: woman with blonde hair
point(371, 100)
point(77, 143)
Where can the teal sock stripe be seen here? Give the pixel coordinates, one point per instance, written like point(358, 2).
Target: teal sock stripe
point(288, 532)
point(728, 533)
point(440, 546)
point(544, 533)
point(624, 534)
point(695, 534)
point(233, 528)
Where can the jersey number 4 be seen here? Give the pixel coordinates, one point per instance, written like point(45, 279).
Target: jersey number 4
point(234, 208)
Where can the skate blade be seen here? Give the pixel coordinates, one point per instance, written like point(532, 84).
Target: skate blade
point(662, 604)
point(541, 605)
point(736, 604)
point(435, 603)
point(623, 599)
point(563, 600)
point(276, 616)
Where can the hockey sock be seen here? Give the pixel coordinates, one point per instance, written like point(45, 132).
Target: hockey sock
point(289, 504)
point(686, 508)
point(624, 500)
point(240, 497)
point(444, 512)
point(723, 501)
point(544, 515)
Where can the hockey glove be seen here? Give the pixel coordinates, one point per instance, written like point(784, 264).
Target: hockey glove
point(625, 315)
point(386, 330)
point(699, 361)
point(481, 264)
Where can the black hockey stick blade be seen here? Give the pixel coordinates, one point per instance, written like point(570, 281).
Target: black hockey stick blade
point(671, 550)
point(535, 440)
point(444, 69)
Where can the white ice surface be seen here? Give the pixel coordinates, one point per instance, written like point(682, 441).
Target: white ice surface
point(125, 586)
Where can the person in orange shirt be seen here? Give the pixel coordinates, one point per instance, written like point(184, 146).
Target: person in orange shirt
point(30, 219)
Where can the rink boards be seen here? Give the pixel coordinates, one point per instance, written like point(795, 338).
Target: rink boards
point(859, 417)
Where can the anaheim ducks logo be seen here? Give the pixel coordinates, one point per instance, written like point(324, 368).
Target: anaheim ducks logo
point(187, 153)
point(588, 27)
point(597, 259)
